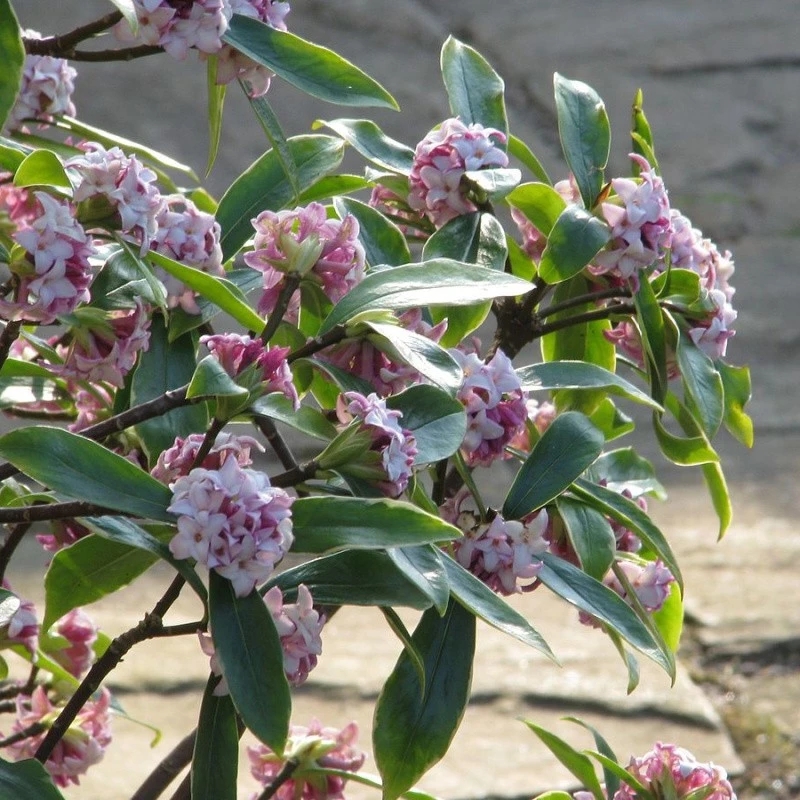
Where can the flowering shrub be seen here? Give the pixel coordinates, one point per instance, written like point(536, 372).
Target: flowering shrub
point(355, 325)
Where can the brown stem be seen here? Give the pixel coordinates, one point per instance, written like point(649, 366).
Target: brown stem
point(589, 316)
point(208, 441)
point(287, 770)
point(47, 511)
point(167, 770)
point(290, 284)
point(121, 54)
point(583, 299)
point(16, 535)
point(7, 337)
point(276, 441)
point(298, 474)
point(25, 733)
point(61, 45)
point(184, 790)
point(333, 336)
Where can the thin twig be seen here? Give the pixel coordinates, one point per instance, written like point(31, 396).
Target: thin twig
point(276, 441)
point(333, 336)
point(298, 474)
point(287, 770)
point(291, 282)
point(7, 337)
point(121, 54)
point(16, 535)
point(208, 441)
point(580, 300)
point(25, 733)
point(61, 45)
point(589, 316)
point(48, 511)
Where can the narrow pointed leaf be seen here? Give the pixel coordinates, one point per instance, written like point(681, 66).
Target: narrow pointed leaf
point(590, 535)
point(42, 168)
point(410, 649)
point(306, 419)
point(703, 384)
point(271, 126)
point(523, 154)
point(215, 760)
point(423, 567)
point(333, 186)
point(641, 133)
point(216, 104)
point(383, 241)
point(575, 239)
point(313, 69)
point(609, 778)
point(250, 654)
point(364, 136)
point(653, 332)
point(736, 381)
point(628, 659)
point(685, 451)
point(13, 59)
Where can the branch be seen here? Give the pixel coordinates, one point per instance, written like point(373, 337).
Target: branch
point(589, 297)
point(333, 336)
point(276, 441)
point(167, 770)
point(10, 333)
point(11, 543)
point(589, 316)
point(121, 54)
point(47, 511)
point(61, 45)
point(25, 733)
point(291, 282)
point(296, 475)
point(287, 770)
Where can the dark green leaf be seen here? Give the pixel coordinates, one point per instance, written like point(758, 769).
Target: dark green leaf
point(410, 649)
point(622, 774)
point(383, 241)
point(608, 419)
point(703, 384)
point(215, 760)
point(523, 154)
point(610, 779)
point(216, 103)
point(653, 332)
point(567, 447)
point(590, 534)
point(625, 470)
point(493, 183)
point(328, 523)
point(85, 470)
point(264, 186)
point(364, 136)
point(13, 59)
point(628, 659)
point(42, 168)
point(311, 68)
point(540, 203)
point(686, 452)
point(576, 238)
point(250, 654)
point(474, 89)
point(585, 135)
point(344, 380)
point(413, 728)
point(333, 186)
point(28, 779)
point(125, 277)
point(423, 567)
point(641, 134)
point(211, 380)
point(271, 126)
point(306, 419)
point(736, 381)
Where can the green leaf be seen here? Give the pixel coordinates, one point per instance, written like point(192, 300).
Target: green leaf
point(686, 452)
point(577, 763)
point(629, 514)
point(593, 597)
point(494, 183)
point(540, 203)
point(28, 779)
point(610, 779)
point(436, 282)
point(474, 89)
point(736, 382)
point(703, 384)
point(641, 134)
point(669, 618)
point(364, 136)
point(576, 238)
point(163, 366)
point(423, 567)
point(410, 649)
point(554, 794)
point(481, 601)
point(311, 68)
point(88, 570)
point(264, 186)
point(250, 654)
point(271, 126)
point(125, 277)
point(555, 375)
point(20, 385)
point(437, 420)
point(305, 419)
point(720, 497)
point(215, 760)
point(585, 135)
point(13, 59)
point(42, 168)
point(383, 241)
point(623, 775)
point(523, 154)
point(12, 154)
point(568, 446)
point(333, 186)
point(328, 523)
point(654, 342)
point(211, 380)
point(628, 659)
point(83, 469)
point(608, 419)
point(357, 578)
point(128, 11)
point(413, 728)
point(590, 534)
point(224, 294)
point(216, 103)
point(625, 470)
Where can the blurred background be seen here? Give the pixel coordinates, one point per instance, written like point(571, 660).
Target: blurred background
point(721, 81)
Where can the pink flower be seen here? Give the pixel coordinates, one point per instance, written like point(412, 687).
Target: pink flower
point(63, 532)
point(23, 627)
point(53, 277)
point(440, 161)
point(540, 417)
point(81, 746)
point(45, 91)
point(314, 747)
point(396, 208)
point(495, 404)
point(533, 240)
point(305, 242)
point(17, 205)
point(91, 404)
point(231, 520)
point(671, 771)
point(81, 634)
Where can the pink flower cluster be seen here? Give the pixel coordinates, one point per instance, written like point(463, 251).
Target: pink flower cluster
point(178, 460)
point(54, 275)
point(540, 416)
point(314, 747)
point(81, 746)
point(495, 404)
point(305, 242)
point(440, 161)
point(501, 552)
point(45, 91)
point(231, 520)
point(80, 634)
point(392, 449)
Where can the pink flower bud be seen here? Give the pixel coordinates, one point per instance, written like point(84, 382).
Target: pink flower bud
point(81, 634)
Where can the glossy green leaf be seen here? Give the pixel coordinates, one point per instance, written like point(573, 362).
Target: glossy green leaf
point(342, 381)
point(333, 186)
point(641, 134)
point(481, 601)
point(90, 569)
point(328, 523)
point(519, 261)
point(653, 333)
point(736, 382)
point(622, 774)
point(83, 469)
point(9, 605)
point(437, 282)
point(628, 659)
point(437, 420)
point(474, 89)
point(12, 154)
point(383, 241)
point(42, 168)
point(216, 103)
point(625, 470)
point(523, 154)
point(593, 597)
point(19, 387)
point(13, 59)
point(264, 186)
point(423, 567)
point(413, 728)
point(211, 380)
point(224, 294)
point(163, 366)
point(703, 384)
point(306, 419)
point(28, 779)
point(629, 514)
point(555, 375)
point(540, 203)
point(215, 760)
point(610, 779)
point(313, 69)
point(577, 763)
point(364, 136)
point(567, 447)
point(608, 419)
point(573, 242)
point(357, 578)
point(585, 135)
point(271, 126)
point(669, 618)
point(590, 534)
point(250, 654)
point(124, 278)
point(684, 451)
point(554, 794)
point(410, 649)
point(493, 184)
point(679, 286)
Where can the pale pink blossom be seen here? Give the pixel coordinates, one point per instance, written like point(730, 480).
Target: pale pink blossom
point(80, 634)
point(495, 404)
point(395, 207)
point(712, 333)
point(232, 521)
point(314, 747)
point(18, 206)
point(23, 627)
point(63, 532)
point(540, 416)
point(92, 404)
point(82, 745)
point(440, 161)
point(533, 240)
